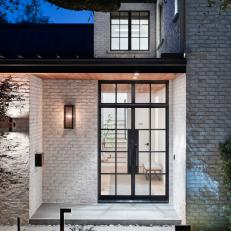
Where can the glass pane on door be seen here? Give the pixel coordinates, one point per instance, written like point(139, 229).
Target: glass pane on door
point(142, 185)
point(144, 140)
point(143, 162)
point(158, 93)
point(124, 184)
point(142, 118)
point(158, 118)
point(108, 93)
point(107, 162)
point(107, 184)
point(158, 183)
point(122, 162)
point(124, 93)
point(124, 118)
point(158, 140)
point(158, 162)
point(122, 140)
point(142, 93)
point(108, 140)
point(108, 118)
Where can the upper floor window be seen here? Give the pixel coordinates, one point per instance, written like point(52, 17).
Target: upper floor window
point(130, 31)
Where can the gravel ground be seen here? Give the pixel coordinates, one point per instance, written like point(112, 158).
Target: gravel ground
point(87, 228)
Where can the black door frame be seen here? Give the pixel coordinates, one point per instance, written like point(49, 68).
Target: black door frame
point(130, 199)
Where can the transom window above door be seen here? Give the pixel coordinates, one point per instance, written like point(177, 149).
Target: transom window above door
point(130, 31)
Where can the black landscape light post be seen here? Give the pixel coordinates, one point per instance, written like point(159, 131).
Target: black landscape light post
point(62, 211)
point(18, 223)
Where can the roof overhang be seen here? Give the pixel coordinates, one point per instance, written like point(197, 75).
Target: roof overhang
point(97, 65)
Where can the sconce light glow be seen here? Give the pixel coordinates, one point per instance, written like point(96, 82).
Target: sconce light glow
point(68, 116)
point(136, 75)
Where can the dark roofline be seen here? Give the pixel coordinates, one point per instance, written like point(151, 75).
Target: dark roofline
point(109, 65)
point(138, 1)
point(44, 25)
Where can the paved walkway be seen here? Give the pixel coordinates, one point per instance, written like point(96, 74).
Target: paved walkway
point(96, 228)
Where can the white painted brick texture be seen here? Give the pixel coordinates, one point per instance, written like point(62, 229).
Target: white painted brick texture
point(70, 168)
point(179, 145)
point(36, 142)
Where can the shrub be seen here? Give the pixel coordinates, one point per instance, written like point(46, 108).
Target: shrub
point(225, 150)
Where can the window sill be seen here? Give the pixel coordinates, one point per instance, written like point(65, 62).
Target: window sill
point(175, 18)
point(128, 52)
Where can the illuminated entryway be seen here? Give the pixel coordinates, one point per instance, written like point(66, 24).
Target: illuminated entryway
point(133, 140)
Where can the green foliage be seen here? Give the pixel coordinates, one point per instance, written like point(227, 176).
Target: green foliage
point(27, 11)
point(32, 13)
point(8, 94)
point(225, 150)
point(107, 135)
point(223, 4)
point(113, 5)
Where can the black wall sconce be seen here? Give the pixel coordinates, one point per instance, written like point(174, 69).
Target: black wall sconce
point(68, 116)
point(38, 159)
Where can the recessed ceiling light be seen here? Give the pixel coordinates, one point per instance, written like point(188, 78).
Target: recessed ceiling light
point(135, 77)
point(136, 73)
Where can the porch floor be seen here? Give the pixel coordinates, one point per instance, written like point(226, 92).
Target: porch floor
point(105, 214)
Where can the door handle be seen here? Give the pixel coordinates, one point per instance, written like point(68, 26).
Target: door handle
point(136, 158)
point(129, 162)
point(129, 151)
point(147, 144)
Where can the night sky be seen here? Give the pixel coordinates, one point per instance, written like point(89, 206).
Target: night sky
point(59, 15)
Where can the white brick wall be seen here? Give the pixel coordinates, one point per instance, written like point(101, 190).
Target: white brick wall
point(179, 145)
point(36, 142)
point(102, 33)
point(171, 142)
point(70, 163)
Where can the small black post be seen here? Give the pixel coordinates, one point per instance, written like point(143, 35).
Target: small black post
point(182, 228)
point(62, 211)
point(18, 223)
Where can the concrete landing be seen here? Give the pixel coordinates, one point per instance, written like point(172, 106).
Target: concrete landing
point(105, 214)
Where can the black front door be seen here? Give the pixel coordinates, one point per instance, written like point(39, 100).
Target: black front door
point(133, 145)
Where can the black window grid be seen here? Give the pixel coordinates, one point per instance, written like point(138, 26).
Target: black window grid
point(164, 152)
point(130, 37)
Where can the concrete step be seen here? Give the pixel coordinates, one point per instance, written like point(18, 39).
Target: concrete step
point(108, 214)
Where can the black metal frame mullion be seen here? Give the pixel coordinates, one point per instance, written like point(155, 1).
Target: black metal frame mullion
point(133, 119)
point(99, 141)
point(150, 141)
point(116, 141)
point(129, 30)
point(167, 142)
point(139, 30)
